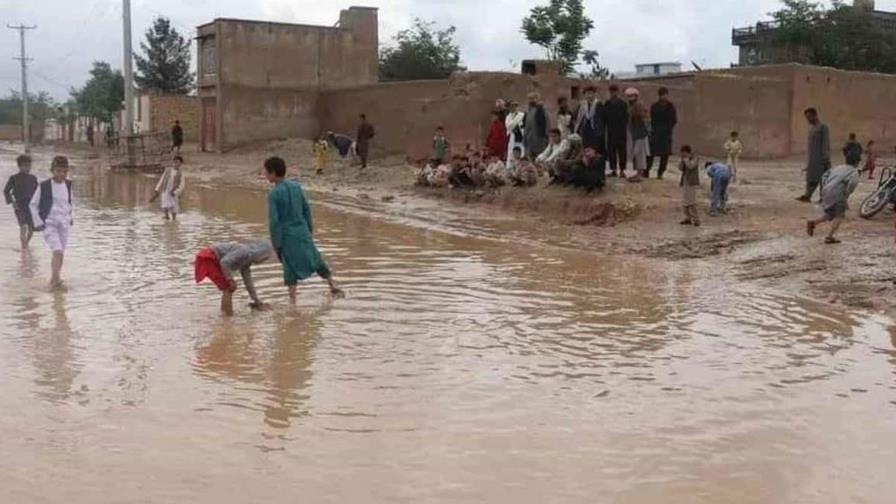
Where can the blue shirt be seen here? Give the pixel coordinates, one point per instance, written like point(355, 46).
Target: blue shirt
point(718, 171)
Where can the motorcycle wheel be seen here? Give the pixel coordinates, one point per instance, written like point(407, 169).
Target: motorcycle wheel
point(874, 203)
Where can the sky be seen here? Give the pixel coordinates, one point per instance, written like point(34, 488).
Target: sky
point(68, 39)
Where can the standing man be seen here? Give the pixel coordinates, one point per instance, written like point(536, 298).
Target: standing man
point(365, 134)
point(513, 124)
point(18, 192)
point(90, 134)
point(535, 127)
point(589, 121)
point(616, 116)
point(819, 153)
point(663, 118)
point(177, 137)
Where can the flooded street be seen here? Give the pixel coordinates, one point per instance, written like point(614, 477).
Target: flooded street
point(462, 367)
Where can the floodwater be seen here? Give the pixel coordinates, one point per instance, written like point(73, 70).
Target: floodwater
point(461, 368)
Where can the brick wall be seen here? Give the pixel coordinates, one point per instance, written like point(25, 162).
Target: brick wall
point(164, 110)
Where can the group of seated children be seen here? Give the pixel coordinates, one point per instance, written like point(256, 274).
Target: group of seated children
point(478, 169)
point(565, 161)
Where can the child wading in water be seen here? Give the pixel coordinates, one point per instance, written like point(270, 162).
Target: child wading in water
point(52, 213)
point(690, 184)
point(321, 150)
point(18, 192)
point(219, 262)
point(171, 186)
point(734, 148)
point(836, 187)
point(291, 227)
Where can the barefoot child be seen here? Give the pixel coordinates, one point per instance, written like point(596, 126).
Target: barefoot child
point(219, 262)
point(690, 184)
point(321, 151)
point(836, 187)
point(870, 160)
point(52, 213)
point(171, 186)
point(734, 148)
point(720, 175)
point(18, 192)
point(289, 219)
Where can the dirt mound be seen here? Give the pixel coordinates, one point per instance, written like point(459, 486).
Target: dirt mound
point(699, 247)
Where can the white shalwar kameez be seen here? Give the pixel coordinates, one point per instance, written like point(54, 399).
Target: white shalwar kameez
point(59, 220)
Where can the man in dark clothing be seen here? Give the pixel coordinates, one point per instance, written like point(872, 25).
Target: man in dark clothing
point(535, 126)
point(589, 121)
point(90, 135)
point(365, 134)
point(819, 153)
point(616, 117)
point(177, 137)
point(589, 172)
point(18, 192)
point(663, 118)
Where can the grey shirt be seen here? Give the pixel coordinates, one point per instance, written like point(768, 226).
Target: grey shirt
point(819, 152)
point(240, 257)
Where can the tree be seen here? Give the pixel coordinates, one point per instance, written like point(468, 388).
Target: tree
point(420, 52)
point(589, 57)
point(165, 65)
point(40, 107)
point(560, 28)
point(102, 94)
point(840, 36)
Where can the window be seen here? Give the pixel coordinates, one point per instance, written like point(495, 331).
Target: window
point(209, 59)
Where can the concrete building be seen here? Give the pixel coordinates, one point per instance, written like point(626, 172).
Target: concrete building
point(260, 80)
point(756, 47)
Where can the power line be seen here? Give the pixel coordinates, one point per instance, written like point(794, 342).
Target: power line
point(23, 59)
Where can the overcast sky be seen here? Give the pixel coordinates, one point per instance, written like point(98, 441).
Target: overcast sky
point(69, 38)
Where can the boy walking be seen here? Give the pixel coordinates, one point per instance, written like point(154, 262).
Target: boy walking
point(52, 212)
point(18, 192)
point(290, 223)
point(689, 183)
point(720, 175)
point(171, 186)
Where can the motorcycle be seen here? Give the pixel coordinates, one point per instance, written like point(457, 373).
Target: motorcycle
point(883, 195)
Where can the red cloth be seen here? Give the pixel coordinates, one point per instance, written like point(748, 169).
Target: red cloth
point(207, 266)
point(497, 140)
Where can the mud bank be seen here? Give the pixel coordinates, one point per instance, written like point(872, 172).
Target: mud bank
point(761, 239)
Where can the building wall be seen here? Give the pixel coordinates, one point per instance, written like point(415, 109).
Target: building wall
point(269, 75)
point(11, 132)
point(164, 110)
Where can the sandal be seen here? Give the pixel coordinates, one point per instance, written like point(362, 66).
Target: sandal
point(810, 228)
point(686, 222)
point(830, 240)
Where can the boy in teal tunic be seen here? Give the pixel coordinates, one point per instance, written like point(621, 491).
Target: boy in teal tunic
point(291, 229)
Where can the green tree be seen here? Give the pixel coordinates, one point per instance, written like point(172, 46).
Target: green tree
point(840, 36)
point(40, 107)
point(420, 52)
point(560, 28)
point(165, 63)
point(589, 57)
point(102, 94)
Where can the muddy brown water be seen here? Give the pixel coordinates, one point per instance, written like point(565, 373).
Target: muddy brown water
point(463, 367)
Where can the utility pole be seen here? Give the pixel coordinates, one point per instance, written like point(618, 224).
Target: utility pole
point(26, 126)
point(128, 69)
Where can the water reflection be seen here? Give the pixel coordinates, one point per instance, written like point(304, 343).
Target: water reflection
point(53, 352)
point(278, 364)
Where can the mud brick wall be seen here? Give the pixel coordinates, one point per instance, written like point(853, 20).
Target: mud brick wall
point(164, 110)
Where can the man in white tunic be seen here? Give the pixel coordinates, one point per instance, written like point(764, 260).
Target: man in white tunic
point(514, 125)
point(53, 213)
